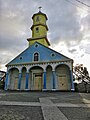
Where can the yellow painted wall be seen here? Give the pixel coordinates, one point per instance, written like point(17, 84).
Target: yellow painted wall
point(42, 19)
point(41, 31)
point(42, 41)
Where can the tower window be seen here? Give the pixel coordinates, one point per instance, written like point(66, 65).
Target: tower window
point(37, 29)
point(36, 57)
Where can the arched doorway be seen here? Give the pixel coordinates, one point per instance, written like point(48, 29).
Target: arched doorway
point(36, 74)
point(63, 77)
point(13, 78)
point(23, 79)
point(49, 77)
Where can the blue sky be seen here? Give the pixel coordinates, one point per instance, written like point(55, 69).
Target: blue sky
point(68, 22)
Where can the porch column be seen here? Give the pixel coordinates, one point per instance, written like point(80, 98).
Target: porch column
point(72, 84)
point(27, 76)
point(53, 79)
point(6, 82)
point(19, 80)
point(44, 84)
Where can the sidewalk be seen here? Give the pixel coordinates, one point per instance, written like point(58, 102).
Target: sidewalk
point(44, 106)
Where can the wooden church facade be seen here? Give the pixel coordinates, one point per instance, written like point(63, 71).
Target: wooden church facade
point(39, 67)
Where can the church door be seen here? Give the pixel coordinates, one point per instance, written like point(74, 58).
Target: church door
point(16, 83)
point(37, 81)
point(62, 83)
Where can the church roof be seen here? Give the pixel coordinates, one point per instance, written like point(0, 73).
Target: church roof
point(45, 55)
point(39, 13)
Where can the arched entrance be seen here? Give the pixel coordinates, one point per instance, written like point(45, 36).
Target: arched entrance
point(63, 77)
point(49, 77)
point(23, 79)
point(13, 78)
point(36, 81)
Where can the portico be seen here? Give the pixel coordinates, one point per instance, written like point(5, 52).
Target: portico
point(44, 76)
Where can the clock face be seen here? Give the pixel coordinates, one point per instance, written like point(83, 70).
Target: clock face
point(37, 18)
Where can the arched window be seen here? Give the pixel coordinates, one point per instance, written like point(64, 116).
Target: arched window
point(36, 56)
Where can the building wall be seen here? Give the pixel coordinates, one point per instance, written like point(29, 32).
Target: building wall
point(41, 40)
point(61, 80)
point(40, 32)
point(63, 77)
point(42, 20)
point(13, 79)
point(36, 74)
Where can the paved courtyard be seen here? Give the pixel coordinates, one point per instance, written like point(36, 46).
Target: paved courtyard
point(44, 106)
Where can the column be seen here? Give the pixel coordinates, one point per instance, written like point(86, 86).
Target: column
point(27, 76)
point(6, 82)
point(72, 84)
point(19, 80)
point(53, 83)
point(44, 85)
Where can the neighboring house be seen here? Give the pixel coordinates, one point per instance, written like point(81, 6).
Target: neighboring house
point(39, 67)
point(2, 79)
point(2, 75)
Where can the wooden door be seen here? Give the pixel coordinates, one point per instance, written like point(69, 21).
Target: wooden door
point(16, 84)
point(38, 82)
point(62, 83)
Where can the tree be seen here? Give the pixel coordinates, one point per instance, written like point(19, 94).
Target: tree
point(81, 74)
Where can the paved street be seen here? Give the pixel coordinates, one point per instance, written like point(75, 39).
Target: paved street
point(44, 106)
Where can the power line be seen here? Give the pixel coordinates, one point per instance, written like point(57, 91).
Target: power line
point(83, 3)
point(77, 5)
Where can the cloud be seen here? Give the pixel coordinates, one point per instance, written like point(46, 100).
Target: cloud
point(64, 22)
point(86, 47)
point(65, 25)
point(72, 50)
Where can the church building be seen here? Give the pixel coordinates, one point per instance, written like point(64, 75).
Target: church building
point(39, 67)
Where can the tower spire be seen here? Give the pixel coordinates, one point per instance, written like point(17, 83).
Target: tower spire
point(39, 29)
point(40, 8)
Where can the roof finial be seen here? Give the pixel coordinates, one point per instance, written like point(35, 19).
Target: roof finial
point(40, 8)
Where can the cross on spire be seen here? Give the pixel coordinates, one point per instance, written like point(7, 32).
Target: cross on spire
point(40, 8)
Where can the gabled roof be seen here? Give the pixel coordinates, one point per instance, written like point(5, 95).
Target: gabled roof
point(45, 55)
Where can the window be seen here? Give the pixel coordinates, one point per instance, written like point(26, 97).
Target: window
point(36, 45)
point(36, 57)
point(21, 58)
point(52, 54)
point(37, 29)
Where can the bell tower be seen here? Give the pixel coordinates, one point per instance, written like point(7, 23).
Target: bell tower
point(39, 29)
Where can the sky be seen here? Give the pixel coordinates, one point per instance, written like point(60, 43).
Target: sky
point(68, 23)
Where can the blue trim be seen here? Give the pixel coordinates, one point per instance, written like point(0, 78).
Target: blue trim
point(53, 73)
point(19, 80)
point(27, 75)
point(44, 80)
point(6, 82)
point(72, 84)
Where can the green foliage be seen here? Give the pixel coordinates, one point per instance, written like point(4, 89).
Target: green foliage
point(1, 85)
